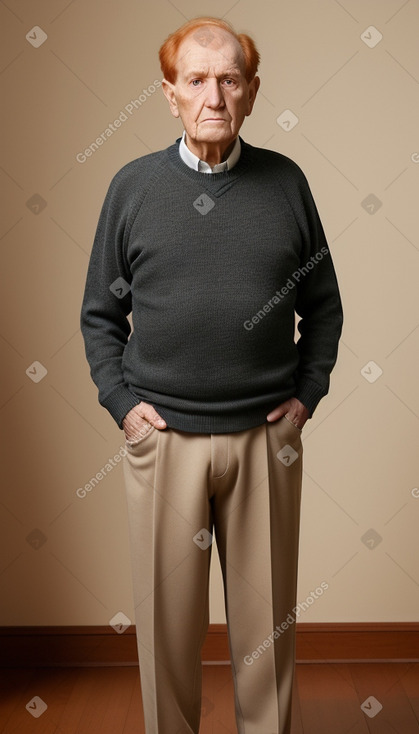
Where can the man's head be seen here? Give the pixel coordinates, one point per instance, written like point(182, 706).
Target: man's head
point(210, 82)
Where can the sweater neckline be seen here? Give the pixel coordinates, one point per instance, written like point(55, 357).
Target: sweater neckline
point(215, 182)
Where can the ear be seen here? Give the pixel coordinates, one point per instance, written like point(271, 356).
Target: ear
point(169, 93)
point(252, 91)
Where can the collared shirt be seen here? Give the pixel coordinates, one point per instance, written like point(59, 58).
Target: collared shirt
point(194, 162)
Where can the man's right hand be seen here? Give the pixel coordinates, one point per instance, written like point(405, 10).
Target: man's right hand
point(138, 417)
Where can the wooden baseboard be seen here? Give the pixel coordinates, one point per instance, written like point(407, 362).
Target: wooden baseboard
point(101, 645)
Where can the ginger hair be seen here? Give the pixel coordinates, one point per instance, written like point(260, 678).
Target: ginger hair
point(169, 49)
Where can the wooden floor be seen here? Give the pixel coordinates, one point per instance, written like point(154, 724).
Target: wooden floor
point(327, 700)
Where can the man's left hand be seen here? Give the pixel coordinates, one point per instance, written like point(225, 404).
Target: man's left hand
point(293, 409)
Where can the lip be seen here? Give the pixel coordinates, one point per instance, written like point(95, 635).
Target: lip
point(214, 119)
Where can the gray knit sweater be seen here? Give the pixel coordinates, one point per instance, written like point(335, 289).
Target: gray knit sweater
point(214, 268)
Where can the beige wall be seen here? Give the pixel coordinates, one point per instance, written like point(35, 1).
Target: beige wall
point(64, 559)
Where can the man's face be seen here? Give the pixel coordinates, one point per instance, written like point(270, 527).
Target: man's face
point(211, 94)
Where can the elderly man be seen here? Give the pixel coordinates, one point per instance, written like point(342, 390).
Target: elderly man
point(214, 246)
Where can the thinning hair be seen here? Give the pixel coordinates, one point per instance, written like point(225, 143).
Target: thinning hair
point(169, 49)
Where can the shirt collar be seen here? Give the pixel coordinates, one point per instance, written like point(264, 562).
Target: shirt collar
point(194, 162)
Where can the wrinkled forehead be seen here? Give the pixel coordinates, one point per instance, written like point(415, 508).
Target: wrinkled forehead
point(211, 49)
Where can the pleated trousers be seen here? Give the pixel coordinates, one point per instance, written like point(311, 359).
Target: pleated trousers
point(243, 489)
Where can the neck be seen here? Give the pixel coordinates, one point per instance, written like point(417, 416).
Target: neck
point(211, 153)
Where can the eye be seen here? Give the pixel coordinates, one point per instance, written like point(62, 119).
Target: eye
point(195, 82)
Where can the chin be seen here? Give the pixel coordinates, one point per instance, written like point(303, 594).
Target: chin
point(215, 136)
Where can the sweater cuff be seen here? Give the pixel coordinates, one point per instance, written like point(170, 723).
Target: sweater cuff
point(309, 393)
point(119, 402)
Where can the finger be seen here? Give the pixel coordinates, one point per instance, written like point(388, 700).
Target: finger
point(277, 413)
point(135, 422)
point(151, 415)
point(132, 419)
point(134, 426)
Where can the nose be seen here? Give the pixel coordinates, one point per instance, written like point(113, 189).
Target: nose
point(214, 95)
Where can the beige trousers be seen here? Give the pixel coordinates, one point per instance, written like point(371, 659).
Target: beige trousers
point(244, 487)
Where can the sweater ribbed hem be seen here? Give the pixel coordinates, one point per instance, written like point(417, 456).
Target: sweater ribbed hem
point(221, 423)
